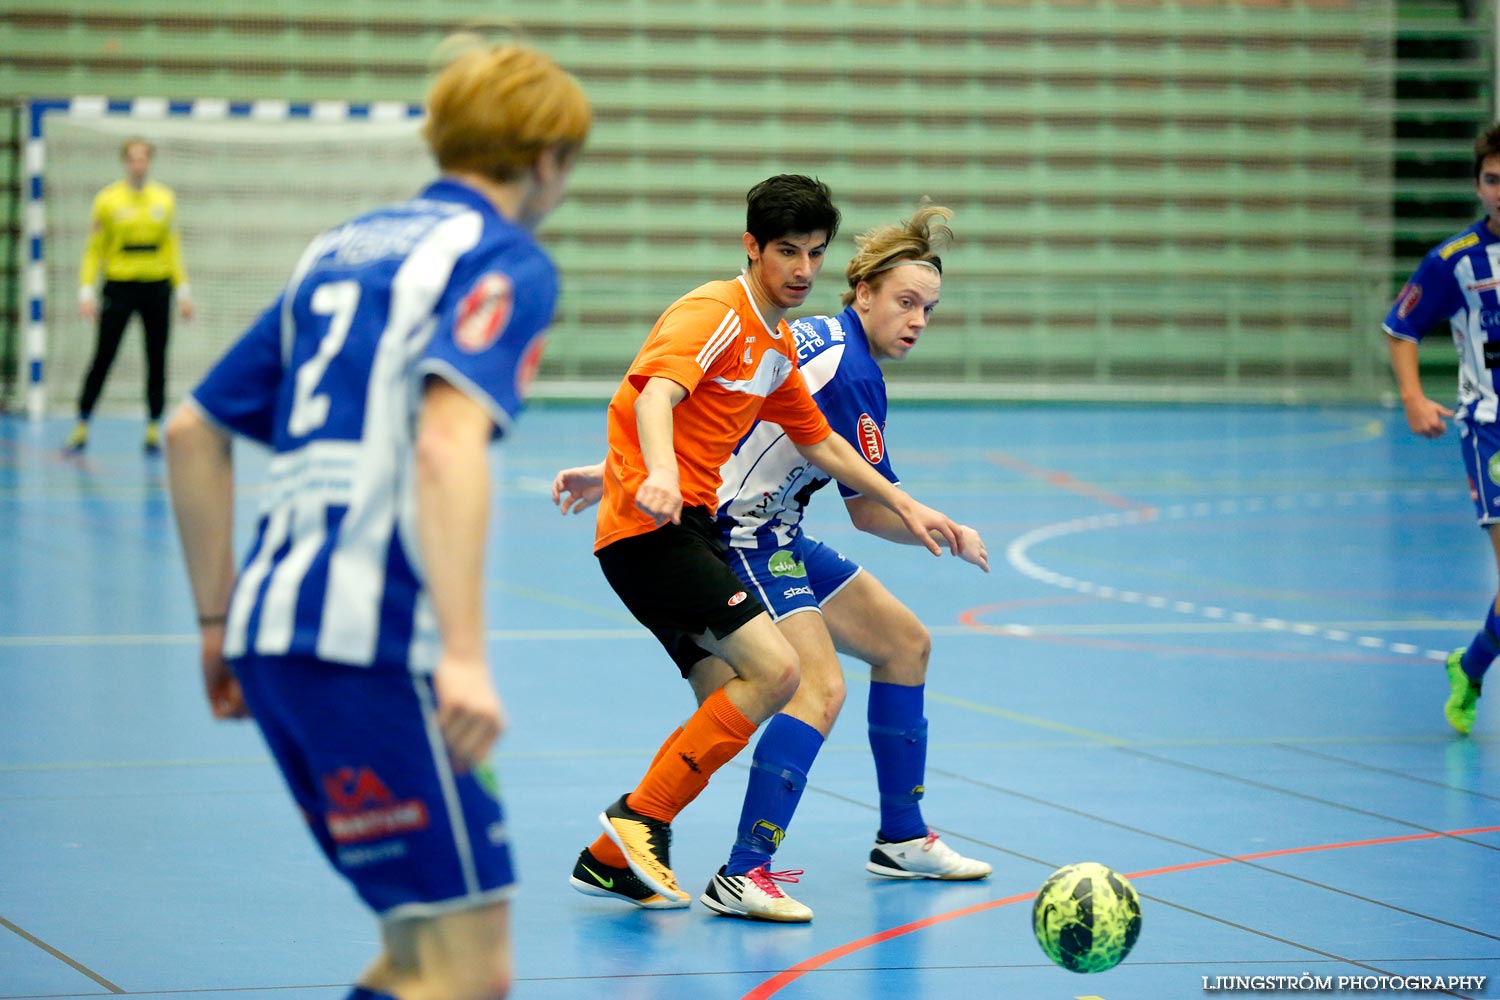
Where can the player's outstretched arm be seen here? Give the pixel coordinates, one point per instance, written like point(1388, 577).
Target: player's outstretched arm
point(871, 517)
point(838, 458)
point(579, 488)
point(1423, 416)
point(453, 502)
point(200, 478)
point(661, 494)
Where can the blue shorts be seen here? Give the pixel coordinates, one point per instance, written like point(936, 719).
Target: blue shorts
point(360, 751)
point(1480, 444)
point(802, 576)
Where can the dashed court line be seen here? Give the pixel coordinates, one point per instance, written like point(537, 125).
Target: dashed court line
point(1017, 553)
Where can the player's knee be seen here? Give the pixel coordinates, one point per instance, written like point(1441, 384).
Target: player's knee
point(461, 967)
point(182, 424)
point(908, 651)
point(498, 986)
point(916, 647)
point(782, 677)
point(830, 701)
point(909, 646)
point(484, 981)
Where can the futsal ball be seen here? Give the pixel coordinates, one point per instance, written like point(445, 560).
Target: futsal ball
point(1086, 917)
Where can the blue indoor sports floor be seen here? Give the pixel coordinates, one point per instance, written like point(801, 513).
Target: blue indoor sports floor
point(1208, 655)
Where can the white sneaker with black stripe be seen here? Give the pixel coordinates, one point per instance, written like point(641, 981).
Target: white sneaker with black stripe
point(755, 896)
point(923, 857)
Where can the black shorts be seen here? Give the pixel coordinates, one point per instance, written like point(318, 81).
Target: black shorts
point(677, 582)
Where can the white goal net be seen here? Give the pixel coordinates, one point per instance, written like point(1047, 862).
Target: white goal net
point(250, 194)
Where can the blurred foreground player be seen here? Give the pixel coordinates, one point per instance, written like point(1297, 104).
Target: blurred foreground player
point(398, 350)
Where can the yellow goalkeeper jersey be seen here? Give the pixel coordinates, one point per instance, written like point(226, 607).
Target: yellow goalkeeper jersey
point(133, 236)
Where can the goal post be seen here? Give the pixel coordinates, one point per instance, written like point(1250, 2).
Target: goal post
point(254, 181)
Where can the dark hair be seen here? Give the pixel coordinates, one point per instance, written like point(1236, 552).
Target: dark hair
point(1488, 144)
point(788, 204)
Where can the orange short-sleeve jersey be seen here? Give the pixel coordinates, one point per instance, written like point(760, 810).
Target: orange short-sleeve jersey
point(715, 344)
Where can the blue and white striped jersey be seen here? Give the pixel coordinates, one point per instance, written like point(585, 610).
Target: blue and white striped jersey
point(330, 377)
point(767, 483)
point(1459, 281)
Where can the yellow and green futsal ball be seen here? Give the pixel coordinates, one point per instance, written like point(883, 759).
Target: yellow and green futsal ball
point(1086, 917)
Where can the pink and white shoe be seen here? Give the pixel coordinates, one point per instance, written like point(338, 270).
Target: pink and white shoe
point(755, 895)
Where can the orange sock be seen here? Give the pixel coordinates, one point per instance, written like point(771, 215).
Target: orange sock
point(709, 740)
point(608, 854)
point(604, 849)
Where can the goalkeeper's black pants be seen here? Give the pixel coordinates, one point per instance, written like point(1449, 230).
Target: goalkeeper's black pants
point(117, 303)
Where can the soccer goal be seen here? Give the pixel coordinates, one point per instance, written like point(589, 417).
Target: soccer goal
point(254, 182)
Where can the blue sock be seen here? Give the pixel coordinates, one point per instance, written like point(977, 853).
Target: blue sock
point(360, 993)
point(1483, 650)
point(898, 739)
point(778, 773)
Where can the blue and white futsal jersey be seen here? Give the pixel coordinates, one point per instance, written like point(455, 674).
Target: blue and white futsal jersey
point(331, 377)
point(767, 483)
point(1459, 281)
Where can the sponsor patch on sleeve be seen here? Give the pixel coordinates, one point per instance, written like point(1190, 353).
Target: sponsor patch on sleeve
point(1408, 299)
point(530, 362)
point(871, 442)
point(483, 313)
point(1462, 243)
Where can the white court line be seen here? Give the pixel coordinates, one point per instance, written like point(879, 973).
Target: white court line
point(502, 635)
point(608, 634)
point(1018, 554)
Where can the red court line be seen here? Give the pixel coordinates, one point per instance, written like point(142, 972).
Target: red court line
point(773, 985)
point(1065, 481)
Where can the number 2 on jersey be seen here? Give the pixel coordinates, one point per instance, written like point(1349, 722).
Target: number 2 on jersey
point(337, 300)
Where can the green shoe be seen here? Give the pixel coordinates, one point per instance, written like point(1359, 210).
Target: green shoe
point(1463, 696)
point(79, 439)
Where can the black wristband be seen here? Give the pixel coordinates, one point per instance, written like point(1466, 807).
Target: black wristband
point(206, 620)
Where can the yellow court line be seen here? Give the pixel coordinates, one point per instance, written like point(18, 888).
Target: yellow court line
point(1029, 720)
point(1001, 713)
point(561, 601)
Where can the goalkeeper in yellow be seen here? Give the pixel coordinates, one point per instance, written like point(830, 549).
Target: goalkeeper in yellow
point(133, 242)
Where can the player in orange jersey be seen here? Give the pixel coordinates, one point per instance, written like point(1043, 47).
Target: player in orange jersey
point(717, 360)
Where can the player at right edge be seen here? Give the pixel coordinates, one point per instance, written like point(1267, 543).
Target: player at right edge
point(1459, 281)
